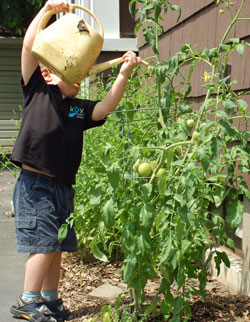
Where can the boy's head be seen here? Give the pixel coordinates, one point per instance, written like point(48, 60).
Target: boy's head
point(65, 88)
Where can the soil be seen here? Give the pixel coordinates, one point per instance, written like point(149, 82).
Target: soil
point(79, 277)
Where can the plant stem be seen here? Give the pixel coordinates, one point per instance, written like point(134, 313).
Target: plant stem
point(242, 19)
point(238, 117)
point(164, 155)
point(166, 148)
point(233, 21)
point(158, 84)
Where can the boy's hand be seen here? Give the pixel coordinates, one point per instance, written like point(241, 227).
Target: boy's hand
point(131, 61)
point(57, 6)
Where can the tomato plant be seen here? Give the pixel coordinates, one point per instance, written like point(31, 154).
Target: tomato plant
point(162, 225)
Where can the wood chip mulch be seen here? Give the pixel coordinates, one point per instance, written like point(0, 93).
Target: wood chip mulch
point(79, 277)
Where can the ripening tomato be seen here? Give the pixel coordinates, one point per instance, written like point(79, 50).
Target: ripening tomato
point(145, 169)
point(196, 136)
point(190, 123)
point(161, 172)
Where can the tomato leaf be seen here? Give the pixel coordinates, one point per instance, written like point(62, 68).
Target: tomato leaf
point(203, 156)
point(212, 53)
point(240, 49)
point(162, 185)
point(216, 146)
point(231, 130)
point(166, 249)
point(108, 215)
point(234, 213)
point(149, 36)
point(95, 196)
point(161, 73)
point(147, 189)
point(128, 267)
point(177, 8)
point(147, 216)
point(114, 175)
point(97, 252)
point(128, 237)
point(219, 258)
point(62, 232)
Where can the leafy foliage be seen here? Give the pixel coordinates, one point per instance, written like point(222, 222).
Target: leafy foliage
point(15, 15)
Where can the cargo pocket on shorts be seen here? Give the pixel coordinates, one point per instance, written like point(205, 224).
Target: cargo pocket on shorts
point(27, 230)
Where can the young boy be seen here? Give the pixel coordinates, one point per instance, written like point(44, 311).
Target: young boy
point(49, 149)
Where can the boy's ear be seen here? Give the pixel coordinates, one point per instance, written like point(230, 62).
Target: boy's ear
point(46, 75)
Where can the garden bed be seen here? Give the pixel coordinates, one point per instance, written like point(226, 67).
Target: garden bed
point(80, 277)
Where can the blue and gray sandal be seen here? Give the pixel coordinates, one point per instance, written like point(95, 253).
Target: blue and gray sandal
point(36, 311)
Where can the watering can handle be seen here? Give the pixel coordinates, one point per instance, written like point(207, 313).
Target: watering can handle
point(75, 6)
point(95, 69)
point(50, 13)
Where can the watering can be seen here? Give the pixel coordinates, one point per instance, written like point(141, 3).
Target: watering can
point(69, 46)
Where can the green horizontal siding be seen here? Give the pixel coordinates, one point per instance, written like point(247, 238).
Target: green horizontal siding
point(13, 88)
point(9, 96)
point(10, 91)
point(9, 80)
point(9, 115)
point(8, 125)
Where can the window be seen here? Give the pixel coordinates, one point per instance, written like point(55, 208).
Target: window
point(116, 21)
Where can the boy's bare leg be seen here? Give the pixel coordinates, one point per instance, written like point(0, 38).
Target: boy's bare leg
point(51, 280)
point(37, 268)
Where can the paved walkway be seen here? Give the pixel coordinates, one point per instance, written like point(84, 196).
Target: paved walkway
point(12, 264)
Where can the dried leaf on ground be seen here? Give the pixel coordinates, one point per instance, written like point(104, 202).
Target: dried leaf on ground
point(79, 277)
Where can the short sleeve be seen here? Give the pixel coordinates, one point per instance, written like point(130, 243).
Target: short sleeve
point(89, 108)
point(36, 80)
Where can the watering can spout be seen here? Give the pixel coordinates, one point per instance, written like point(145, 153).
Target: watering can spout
point(98, 68)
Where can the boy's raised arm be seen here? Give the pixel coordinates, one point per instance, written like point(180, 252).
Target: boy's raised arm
point(29, 61)
point(115, 94)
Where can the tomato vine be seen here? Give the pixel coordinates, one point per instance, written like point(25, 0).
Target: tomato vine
point(162, 226)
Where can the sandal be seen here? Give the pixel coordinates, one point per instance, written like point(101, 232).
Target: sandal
point(59, 310)
point(36, 311)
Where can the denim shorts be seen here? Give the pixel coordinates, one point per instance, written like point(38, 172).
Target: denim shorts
point(41, 205)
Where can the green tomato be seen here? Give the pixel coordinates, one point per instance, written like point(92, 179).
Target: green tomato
point(196, 136)
point(136, 165)
point(145, 169)
point(190, 123)
point(161, 172)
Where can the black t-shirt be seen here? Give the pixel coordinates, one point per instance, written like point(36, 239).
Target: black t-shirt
point(51, 133)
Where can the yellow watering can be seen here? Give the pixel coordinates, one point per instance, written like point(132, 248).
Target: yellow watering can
point(70, 46)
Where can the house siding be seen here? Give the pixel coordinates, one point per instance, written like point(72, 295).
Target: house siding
point(203, 27)
point(10, 91)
